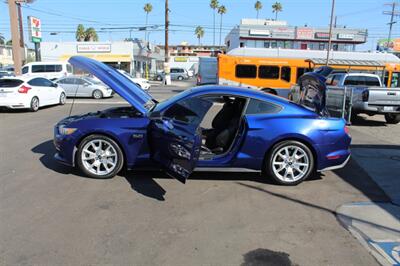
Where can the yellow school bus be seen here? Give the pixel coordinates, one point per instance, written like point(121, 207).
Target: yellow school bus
point(277, 70)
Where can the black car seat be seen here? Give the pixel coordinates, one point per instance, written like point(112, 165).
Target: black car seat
point(225, 125)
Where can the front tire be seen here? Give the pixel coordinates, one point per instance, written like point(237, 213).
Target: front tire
point(62, 98)
point(392, 118)
point(180, 78)
point(289, 163)
point(34, 106)
point(99, 157)
point(97, 94)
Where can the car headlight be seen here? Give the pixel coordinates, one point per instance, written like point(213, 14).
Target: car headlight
point(66, 130)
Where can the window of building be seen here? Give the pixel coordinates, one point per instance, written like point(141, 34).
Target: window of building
point(321, 46)
point(335, 47)
point(285, 73)
point(273, 44)
point(246, 71)
point(303, 46)
point(266, 45)
point(241, 44)
point(268, 72)
point(261, 107)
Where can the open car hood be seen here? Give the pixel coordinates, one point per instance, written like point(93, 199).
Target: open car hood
point(128, 90)
point(313, 92)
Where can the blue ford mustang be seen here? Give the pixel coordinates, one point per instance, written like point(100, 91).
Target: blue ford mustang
point(210, 126)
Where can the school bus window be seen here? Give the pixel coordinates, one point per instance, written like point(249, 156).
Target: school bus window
point(285, 73)
point(268, 72)
point(395, 83)
point(246, 71)
point(301, 71)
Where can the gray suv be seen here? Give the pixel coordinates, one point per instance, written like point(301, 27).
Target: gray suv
point(176, 74)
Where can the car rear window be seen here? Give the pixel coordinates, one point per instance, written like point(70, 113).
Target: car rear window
point(10, 83)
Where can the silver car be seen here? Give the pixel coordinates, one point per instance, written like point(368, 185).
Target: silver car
point(175, 73)
point(77, 86)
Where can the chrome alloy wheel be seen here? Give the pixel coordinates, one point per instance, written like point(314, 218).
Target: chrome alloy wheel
point(290, 163)
point(99, 157)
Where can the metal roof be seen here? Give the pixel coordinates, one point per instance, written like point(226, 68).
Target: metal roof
point(295, 53)
point(338, 62)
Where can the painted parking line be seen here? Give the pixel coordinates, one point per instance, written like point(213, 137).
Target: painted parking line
point(96, 102)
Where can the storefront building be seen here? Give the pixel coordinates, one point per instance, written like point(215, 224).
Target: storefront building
point(131, 56)
point(260, 33)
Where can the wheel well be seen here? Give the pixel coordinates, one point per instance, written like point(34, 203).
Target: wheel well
point(313, 151)
point(269, 90)
point(102, 134)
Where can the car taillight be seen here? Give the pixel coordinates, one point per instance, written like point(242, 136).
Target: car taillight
point(365, 95)
point(198, 78)
point(346, 130)
point(24, 89)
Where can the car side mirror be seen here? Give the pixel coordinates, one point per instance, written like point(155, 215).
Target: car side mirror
point(55, 85)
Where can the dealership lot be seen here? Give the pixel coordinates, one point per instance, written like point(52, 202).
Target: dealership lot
point(51, 214)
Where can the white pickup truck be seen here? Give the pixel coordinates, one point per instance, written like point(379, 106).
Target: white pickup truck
point(368, 94)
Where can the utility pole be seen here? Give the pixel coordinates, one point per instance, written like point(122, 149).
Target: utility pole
point(167, 77)
point(330, 33)
point(15, 36)
point(392, 14)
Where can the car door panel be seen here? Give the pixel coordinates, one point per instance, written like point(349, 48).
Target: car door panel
point(175, 137)
point(176, 146)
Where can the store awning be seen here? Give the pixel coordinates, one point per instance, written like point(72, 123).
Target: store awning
point(102, 57)
point(339, 62)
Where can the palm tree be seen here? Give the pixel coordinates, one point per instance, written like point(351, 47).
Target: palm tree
point(80, 33)
point(214, 5)
point(276, 8)
point(147, 8)
point(199, 32)
point(221, 10)
point(91, 35)
point(258, 6)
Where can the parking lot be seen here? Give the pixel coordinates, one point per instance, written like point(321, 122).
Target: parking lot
point(51, 214)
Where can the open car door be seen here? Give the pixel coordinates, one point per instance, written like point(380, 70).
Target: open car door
point(313, 92)
point(175, 136)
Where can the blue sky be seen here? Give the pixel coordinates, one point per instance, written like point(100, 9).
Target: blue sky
point(64, 15)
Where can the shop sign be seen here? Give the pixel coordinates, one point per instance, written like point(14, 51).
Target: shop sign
point(282, 32)
point(93, 48)
point(345, 36)
point(35, 29)
point(180, 59)
point(304, 33)
point(260, 32)
point(321, 35)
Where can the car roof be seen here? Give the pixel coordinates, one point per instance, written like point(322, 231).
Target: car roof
point(235, 91)
point(23, 78)
point(356, 74)
point(46, 63)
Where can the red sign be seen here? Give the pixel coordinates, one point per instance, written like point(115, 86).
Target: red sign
point(322, 35)
point(304, 33)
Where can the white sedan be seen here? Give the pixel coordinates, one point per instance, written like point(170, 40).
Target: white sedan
point(29, 92)
point(143, 83)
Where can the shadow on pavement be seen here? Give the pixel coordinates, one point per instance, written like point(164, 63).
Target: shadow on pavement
point(312, 205)
point(364, 122)
point(47, 159)
point(266, 257)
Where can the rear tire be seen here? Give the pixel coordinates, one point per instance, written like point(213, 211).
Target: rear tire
point(180, 78)
point(99, 157)
point(289, 163)
point(392, 118)
point(34, 107)
point(97, 94)
point(62, 98)
point(159, 78)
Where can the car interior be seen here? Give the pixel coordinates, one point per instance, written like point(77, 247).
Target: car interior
point(221, 125)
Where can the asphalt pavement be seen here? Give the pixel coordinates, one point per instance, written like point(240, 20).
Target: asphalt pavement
point(52, 215)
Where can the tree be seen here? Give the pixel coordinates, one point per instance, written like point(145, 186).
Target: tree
point(9, 42)
point(2, 40)
point(221, 10)
point(199, 32)
point(147, 8)
point(258, 6)
point(80, 33)
point(276, 8)
point(91, 35)
point(214, 5)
